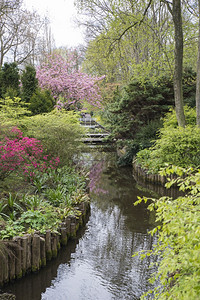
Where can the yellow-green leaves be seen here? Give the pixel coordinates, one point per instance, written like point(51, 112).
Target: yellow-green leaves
point(178, 244)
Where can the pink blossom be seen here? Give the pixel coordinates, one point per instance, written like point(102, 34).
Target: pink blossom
point(63, 79)
point(23, 154)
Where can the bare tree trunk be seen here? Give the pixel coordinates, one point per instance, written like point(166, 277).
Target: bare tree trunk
point(198, 76)
point(178, 65)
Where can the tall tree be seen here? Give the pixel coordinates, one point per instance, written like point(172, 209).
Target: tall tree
point(19, 31)
point(178, 60)
point(198, 76)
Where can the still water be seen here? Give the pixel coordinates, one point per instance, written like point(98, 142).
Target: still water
point(98, 264)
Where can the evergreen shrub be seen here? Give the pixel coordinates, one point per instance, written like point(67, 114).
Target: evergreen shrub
point(29, 83)
point(41, 102)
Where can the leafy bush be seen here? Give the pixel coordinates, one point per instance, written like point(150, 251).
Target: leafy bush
point(12, 109)
point(170, 119)
point(144, 138)
point(23, 154)
point(9, 80)
point(41, 102)
point(175, 145)
point(42, 219)
point(29, 83)
point(59, 132)
point(178, 244)
point(136, 105)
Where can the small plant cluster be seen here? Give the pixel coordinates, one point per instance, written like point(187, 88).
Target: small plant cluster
point(178, 243)
point(54, 195)
point(23, 154)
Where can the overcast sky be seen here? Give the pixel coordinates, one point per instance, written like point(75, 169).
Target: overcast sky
point(62, 14)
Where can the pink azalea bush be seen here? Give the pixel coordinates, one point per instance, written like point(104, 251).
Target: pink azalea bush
point(23, 154)
point(65, 81)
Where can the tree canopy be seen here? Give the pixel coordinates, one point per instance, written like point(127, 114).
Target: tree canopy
point(69, 85)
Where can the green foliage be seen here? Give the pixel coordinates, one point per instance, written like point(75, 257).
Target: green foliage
point(139, 103)
point(131, 43)
point(178, 244)
point(144, 138)
point(41, 102)
point(58, 194)
point(12, 109)
point(136, 105)
point(170, 119)
point(59, 131)
point(29, 83)
point(175, 145)
point(32, 202)
point(10, 206)
point(189, 87)
point(42, 219)
point(39, 181)
point(9, 80)
point(65, 183)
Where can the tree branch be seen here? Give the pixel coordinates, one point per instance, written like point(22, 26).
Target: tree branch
point(131, 26)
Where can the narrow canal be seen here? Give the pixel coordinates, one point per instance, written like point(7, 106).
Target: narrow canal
point(98, 264)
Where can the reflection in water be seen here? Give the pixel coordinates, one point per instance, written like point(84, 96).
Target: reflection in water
point(100, 265)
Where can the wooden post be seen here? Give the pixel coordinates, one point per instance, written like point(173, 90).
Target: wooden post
point(35, 261)
point(5, 268)
point(11, 262)
point(67, 224)
point(29, 253)
point(48, 245)
point(64, 238)
point(42, 252)
point(54, 245)
point(24, 245)
point(18, 257)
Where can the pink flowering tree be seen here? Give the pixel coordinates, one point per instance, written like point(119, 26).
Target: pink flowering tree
point(65, 81)
point(24, 155)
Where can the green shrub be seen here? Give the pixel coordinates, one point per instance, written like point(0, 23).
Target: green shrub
point(9, 80)
point(29, 83)
point(60, 133)
point(137, 105)
point(12, 109)
point(41, 102)
point(178, 243)
point(178, 146)
point(170, 119)
point(175, 145)
point(144, 138)
point(58, 194)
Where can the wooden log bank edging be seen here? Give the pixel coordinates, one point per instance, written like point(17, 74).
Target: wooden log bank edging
point(144, 174)
point(30, 252)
